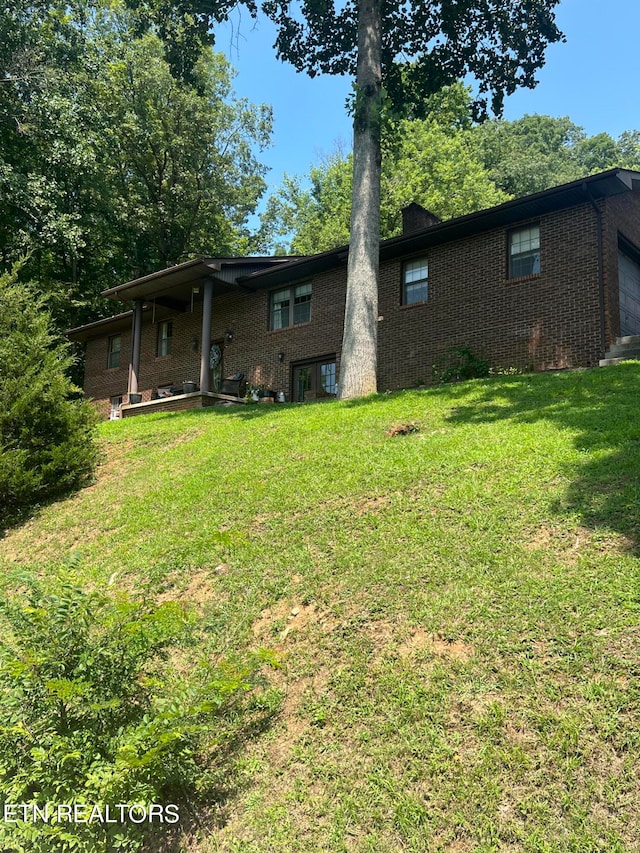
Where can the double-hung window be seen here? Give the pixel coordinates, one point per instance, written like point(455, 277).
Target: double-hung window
point(113, 355)
point(415, 281)
point(291, 306)
point(524, 251)
point(165, 335)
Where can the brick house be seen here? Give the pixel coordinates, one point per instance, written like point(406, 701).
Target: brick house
point(543, 282)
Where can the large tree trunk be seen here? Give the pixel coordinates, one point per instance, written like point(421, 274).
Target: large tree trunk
point(359, 344)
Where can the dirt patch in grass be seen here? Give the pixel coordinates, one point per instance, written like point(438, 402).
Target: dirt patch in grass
point(198, 588)
point(286, 617)
point(439, 647)
point(569, 544)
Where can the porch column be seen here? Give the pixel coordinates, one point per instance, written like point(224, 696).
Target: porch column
point(205, 346)
point(134, 364)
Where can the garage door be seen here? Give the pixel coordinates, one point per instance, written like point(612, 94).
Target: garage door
point(629, 277)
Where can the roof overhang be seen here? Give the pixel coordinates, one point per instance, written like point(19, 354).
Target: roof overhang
point(606, 184)
point(174, 288)
point(108, 326)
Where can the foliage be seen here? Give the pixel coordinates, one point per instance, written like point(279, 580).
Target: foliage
point(434, 161)
point(110, 166)
point(536, 152)
point(447, 164)
point(94, 713)
point(459, 363)
point(46, 430)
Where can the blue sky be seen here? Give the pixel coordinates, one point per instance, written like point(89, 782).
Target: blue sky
point(593, 78)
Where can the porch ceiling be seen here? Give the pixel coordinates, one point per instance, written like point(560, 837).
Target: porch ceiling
point(173, 287)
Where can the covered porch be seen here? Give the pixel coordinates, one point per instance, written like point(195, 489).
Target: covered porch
point(180, 403)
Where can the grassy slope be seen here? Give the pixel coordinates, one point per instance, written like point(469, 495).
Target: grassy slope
point(456, 609)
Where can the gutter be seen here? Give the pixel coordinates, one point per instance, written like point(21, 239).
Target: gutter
point(601, 299)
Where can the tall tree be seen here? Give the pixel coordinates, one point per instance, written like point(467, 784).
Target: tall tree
point(501, 45)
point(536, 152)
point(111, 165)
point(435, 161)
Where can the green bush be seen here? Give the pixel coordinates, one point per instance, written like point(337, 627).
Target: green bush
point(92, 713)
point(459, 363)
point(46, 430)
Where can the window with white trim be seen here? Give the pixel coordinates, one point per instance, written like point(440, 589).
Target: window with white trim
point(165, 336)
point(415, 281)
point(524, 251)
point(290, 306)
point(115, 404)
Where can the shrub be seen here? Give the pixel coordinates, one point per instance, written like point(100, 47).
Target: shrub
point(92, 712)
point(46, 431)
point(459, 363)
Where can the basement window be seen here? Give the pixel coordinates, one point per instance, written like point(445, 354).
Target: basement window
point(115, 404)
point(524, 252)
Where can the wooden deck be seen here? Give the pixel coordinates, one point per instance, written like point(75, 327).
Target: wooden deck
point(180, 403)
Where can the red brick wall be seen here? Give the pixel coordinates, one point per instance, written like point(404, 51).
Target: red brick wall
point(254, 349)
point(549, 320)
point(545, 321)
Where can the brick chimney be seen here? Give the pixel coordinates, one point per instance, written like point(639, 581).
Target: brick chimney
point(417, 218)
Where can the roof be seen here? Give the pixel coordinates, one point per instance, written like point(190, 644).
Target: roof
point(110, 325)
point(178, 287)
point(604, 184)
point(173, 287)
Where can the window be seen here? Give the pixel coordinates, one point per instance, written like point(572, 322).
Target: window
point(314, 380)
point(524, 251)
point(291, 306)
point(114, 407)
point(165, 333)
point(415, 281)
point(113, 357)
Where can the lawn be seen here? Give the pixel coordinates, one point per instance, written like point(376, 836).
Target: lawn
point(450, 580)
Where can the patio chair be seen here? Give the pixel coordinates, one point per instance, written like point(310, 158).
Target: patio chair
point(235, 386)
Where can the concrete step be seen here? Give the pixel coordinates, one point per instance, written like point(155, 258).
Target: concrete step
point(606, 362)
point(624, 351)
point(629, 339)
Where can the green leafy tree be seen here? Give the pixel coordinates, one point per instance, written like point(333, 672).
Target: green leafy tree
point(536, 152)
point(434, 161)
point(179, 160)
point(46, 430)
point(111, 165)
point(501, 45)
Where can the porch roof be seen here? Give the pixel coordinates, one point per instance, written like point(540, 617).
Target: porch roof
point(174, 288)
point(109, 325)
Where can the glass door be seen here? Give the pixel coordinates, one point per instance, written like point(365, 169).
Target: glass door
point(216, 353)
point(314, 380)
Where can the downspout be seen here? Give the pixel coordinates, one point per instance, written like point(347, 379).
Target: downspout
point(601, 299)
point(136, 334)
point(207, 302)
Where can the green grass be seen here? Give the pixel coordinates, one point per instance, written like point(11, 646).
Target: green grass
point(456, 609)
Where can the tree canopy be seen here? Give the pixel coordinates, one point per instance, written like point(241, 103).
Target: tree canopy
point(445, 162)
point(435, 161)
point(111, 164)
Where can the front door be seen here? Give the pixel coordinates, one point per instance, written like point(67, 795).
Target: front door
point(314, 380)
point(629, 278)
point(216, 353)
